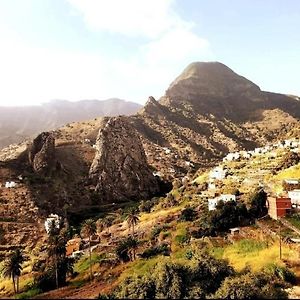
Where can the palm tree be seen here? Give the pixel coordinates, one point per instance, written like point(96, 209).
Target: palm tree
point(132, 220)
point(56, 248)
point(89, 229)
point(13, 267)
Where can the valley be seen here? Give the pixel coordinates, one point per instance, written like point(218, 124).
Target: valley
point(182, 187)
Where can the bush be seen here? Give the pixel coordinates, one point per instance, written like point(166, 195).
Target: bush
point(29, 294)
point(282, 273)
point(125, 247)
point(258, 206)
point(175, 281)
point(153, 251)
point(188, 214)
point(182, 239)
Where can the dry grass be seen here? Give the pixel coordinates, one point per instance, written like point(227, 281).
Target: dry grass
point(255, 254)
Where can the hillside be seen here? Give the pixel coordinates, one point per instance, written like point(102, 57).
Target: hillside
point(206, 113)
point(20, 123)
point(168, 234)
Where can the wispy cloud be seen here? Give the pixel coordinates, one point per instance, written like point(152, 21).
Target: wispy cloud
point(131, 17)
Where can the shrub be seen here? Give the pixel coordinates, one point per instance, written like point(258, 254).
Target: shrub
point(188, 214)
point(175, 281)
point(282, 273)
point(124, 248)
point(182, 239)
point(258, 206)
point(153, 251)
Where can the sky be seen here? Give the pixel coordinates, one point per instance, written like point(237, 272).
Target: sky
point(100, 49)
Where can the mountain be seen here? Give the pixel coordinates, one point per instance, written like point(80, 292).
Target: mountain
point(205, 113)
point(19, 123)
point(208, 111)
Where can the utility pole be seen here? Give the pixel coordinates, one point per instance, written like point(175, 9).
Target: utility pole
point(280, 251)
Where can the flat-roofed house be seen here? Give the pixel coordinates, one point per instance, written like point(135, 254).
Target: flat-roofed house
point(278, 206)
point(295, 197)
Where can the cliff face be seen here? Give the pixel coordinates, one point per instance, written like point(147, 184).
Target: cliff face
point(41, 154)
point(120, 170)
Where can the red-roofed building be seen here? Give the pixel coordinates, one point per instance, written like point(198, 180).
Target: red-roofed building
point(278, 206)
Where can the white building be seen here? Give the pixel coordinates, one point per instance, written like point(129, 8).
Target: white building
point(292, 181)
point(52, 219)
point(228, 197)
point(211, 186)
point(295, 196)
point(167, 150)
point(218, 173)
point(10, 184)
point(232, 156)
point(288, 143)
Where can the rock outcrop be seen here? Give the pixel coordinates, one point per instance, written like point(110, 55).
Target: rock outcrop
point(120, 170)
point(41, 153)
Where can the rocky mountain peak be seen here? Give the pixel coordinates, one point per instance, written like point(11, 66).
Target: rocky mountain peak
point(210, 79)
point(120, 170)
point(152, 106)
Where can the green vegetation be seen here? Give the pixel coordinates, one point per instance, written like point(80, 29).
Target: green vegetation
point(203, 277)
point(89, 229)
point(294, 220)
point(29, 293)
point(12, 267)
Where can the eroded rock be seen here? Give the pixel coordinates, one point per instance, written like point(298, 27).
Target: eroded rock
point(41, 153)
point(120, 170)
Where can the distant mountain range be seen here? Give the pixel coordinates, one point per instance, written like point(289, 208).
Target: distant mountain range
point(19, 123)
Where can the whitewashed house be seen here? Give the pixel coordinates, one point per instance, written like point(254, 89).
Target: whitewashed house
point(53, 218)
point(167, 150)
point(228, 197)
point(288, 143)
point(232, 156)
point(295, 197)
point(291, 181)
point(211, 186)
point(212, 203)
point(10, 184)
point(218, 173)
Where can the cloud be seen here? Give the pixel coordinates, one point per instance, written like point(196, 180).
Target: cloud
point(169, 43)
point(135, 18)
point(30, 74)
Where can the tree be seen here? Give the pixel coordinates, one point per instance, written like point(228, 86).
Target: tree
point(132, 220)
point(188, 214)
point(56, 249)
point(89, 229)
point(13, 267)
point(258, 206)
point(125, 247)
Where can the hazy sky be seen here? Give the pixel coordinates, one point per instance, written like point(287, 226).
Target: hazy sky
point(97, 49)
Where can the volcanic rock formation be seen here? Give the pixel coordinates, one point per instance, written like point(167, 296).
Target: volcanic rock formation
point(120, 170)
point(41, 154)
